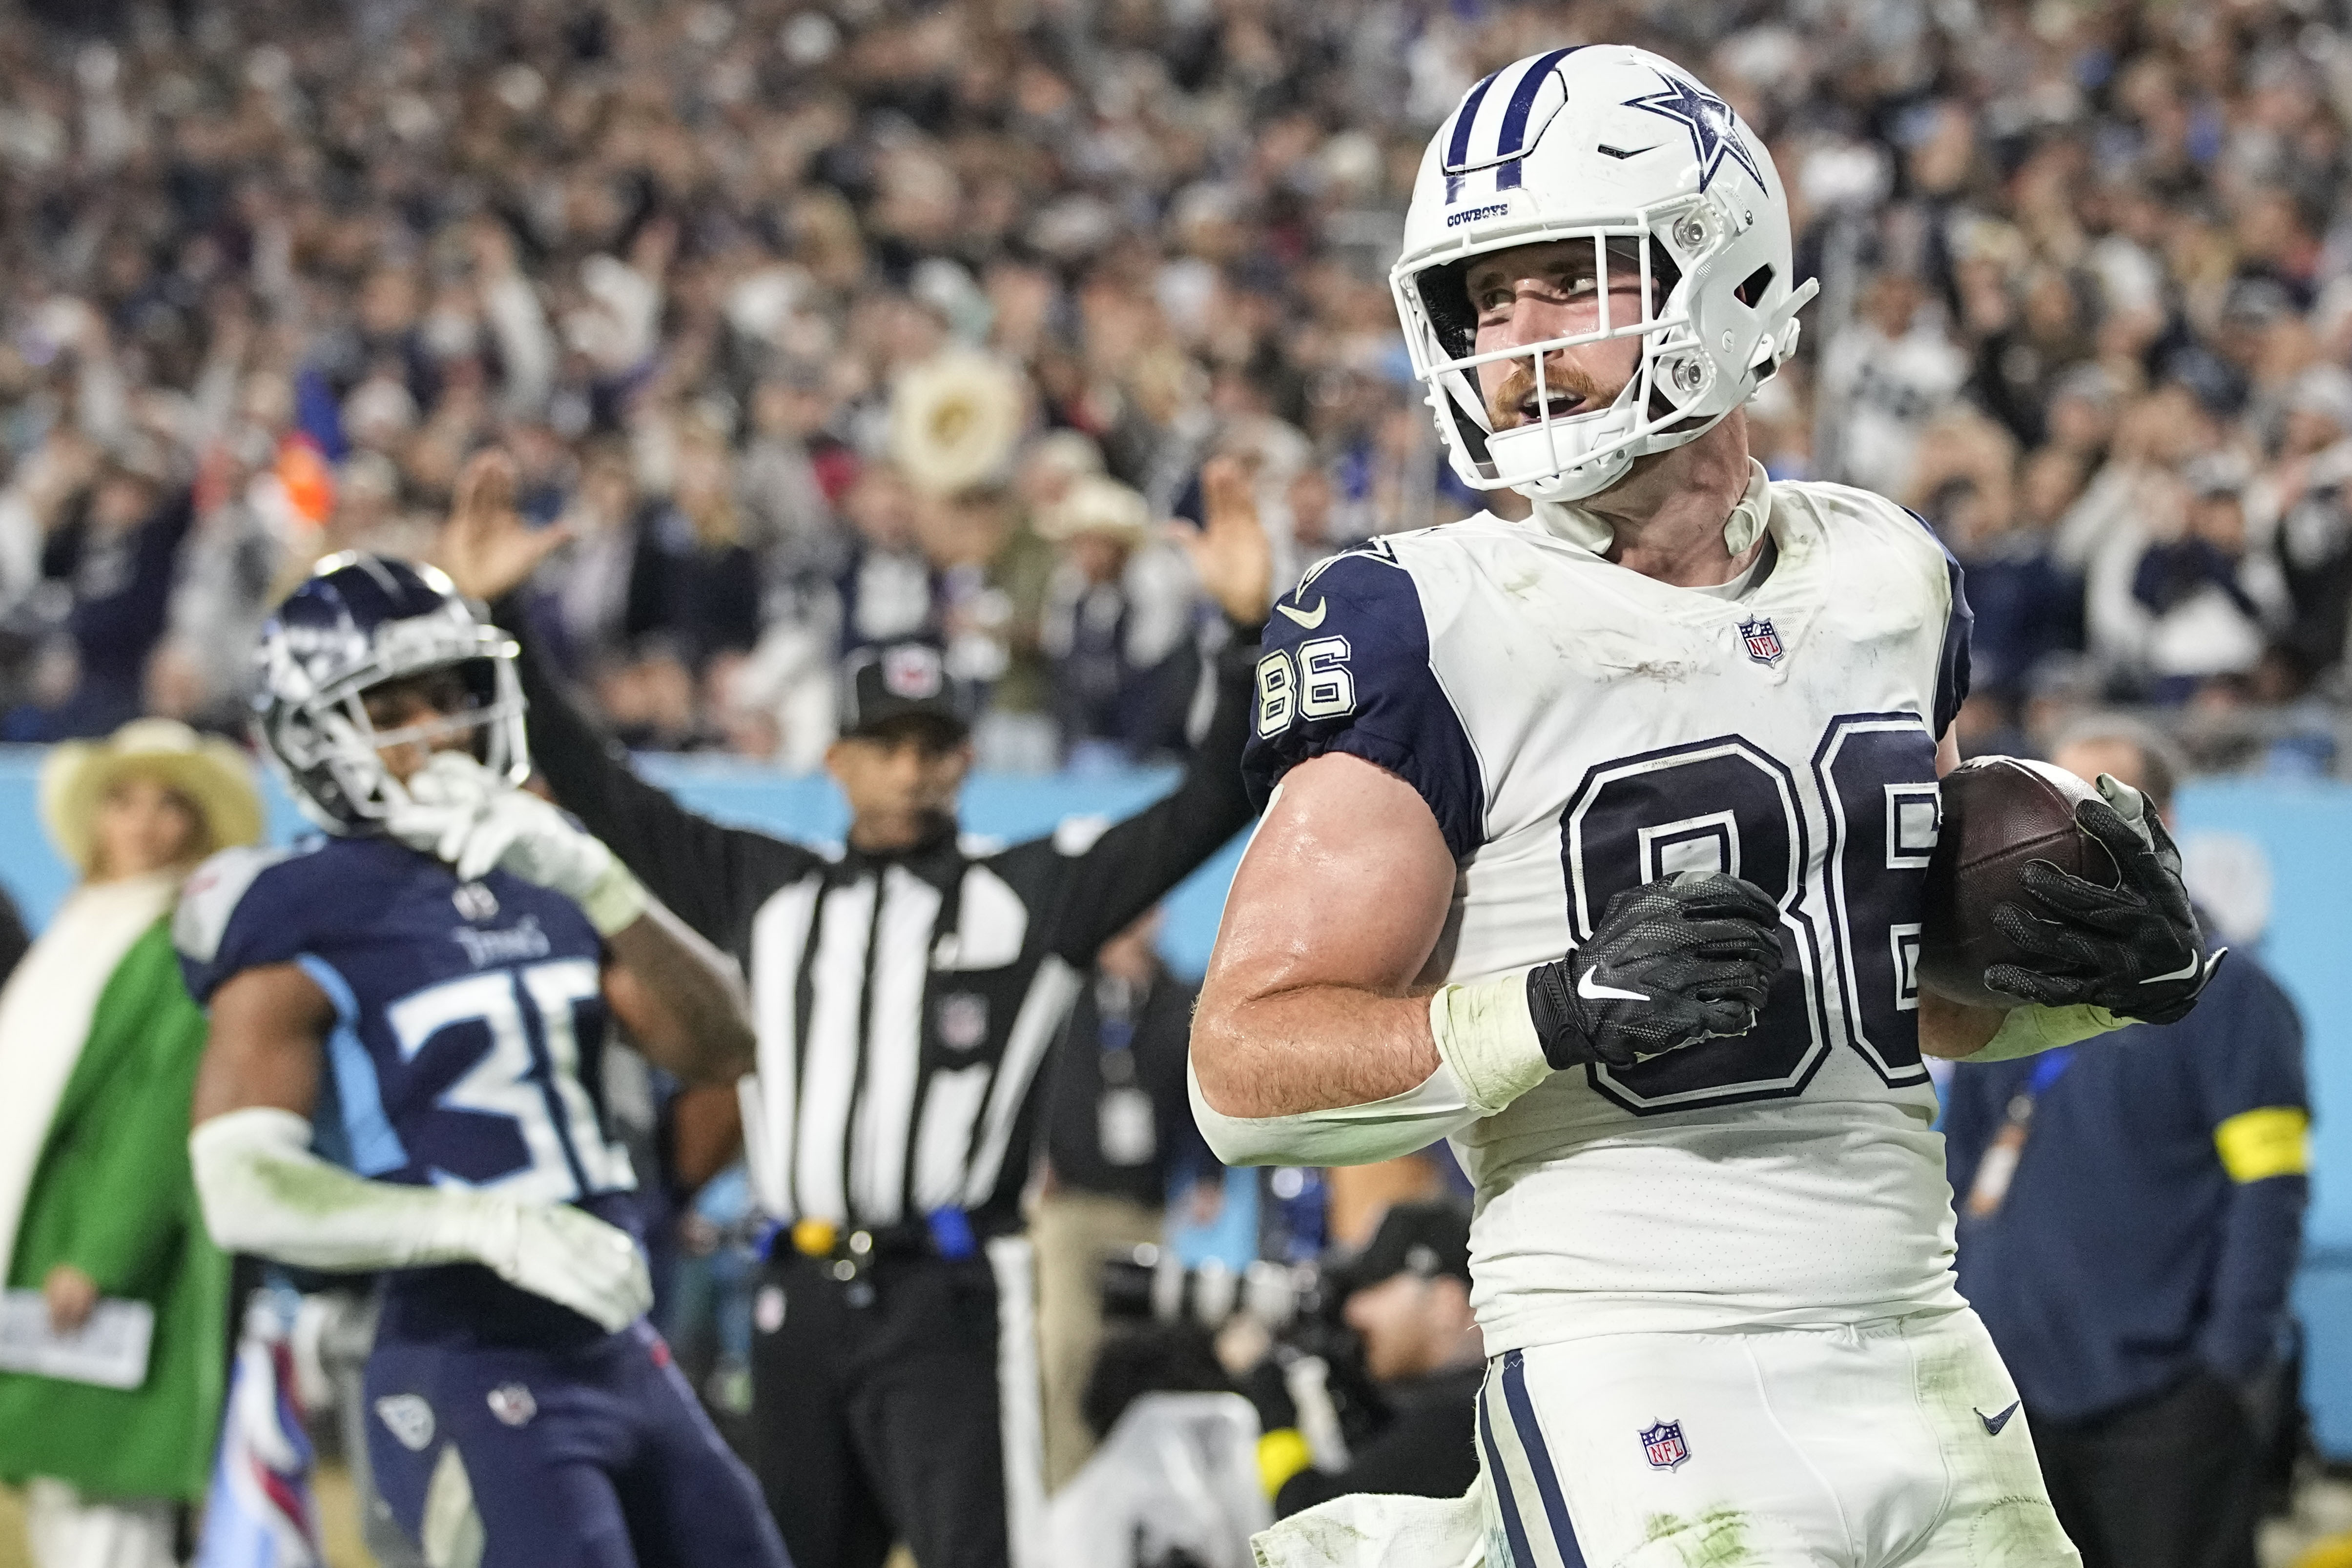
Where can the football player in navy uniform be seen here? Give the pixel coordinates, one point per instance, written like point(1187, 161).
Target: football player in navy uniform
point(404, 1075)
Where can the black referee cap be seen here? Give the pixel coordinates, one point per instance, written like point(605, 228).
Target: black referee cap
point(894, 681)
point(1422, 1238)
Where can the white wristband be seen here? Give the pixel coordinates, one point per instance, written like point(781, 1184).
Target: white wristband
point(616, 899)
point(2030, 1030)
point(1486, 1034)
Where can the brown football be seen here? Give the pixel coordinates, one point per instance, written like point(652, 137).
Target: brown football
point(1999, 814)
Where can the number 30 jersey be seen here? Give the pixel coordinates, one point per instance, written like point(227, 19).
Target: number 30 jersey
point(1579, 729)
point(466, 1049)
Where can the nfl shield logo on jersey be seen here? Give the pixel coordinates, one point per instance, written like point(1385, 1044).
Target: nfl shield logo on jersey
point(512, 1404)
point(1664, 1445)
point(1763, 642)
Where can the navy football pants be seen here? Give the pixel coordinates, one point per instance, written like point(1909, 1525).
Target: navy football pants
point(596, 1457)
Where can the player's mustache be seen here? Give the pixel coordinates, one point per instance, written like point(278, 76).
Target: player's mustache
point(1564, 382)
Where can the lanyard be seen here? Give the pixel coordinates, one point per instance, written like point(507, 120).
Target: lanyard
point(1997, 1169)
point(2047, 1067)
point(1117, 1003)
point(1126, 1123)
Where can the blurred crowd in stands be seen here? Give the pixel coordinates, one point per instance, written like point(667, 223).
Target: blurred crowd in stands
point(823, 321)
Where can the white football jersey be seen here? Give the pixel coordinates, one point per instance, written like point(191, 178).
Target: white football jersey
point(1579, 729)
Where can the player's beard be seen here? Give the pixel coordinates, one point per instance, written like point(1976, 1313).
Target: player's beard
point(1564, 382)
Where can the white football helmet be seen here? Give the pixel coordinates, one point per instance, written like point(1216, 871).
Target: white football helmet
point(1624, 151)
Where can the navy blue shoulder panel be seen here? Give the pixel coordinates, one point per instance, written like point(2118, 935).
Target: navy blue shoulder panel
point(247, 908)
point(1952, 664)
point(1347, 668)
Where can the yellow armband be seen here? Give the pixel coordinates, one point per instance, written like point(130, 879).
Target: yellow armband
point(2272, 1141)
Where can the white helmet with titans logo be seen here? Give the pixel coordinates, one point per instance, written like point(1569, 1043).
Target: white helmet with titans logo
point(1624, 151)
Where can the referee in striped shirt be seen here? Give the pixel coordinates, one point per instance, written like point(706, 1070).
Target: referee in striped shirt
point(905, 992)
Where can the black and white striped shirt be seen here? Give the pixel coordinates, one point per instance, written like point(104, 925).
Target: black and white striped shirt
point(904, 1003)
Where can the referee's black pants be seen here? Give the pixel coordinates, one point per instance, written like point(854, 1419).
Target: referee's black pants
point(874, 1417)
point(2171, 1482)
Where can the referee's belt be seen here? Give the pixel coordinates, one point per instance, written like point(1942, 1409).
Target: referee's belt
point(944, 1233)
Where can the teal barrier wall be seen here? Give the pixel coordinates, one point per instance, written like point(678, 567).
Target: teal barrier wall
point(2304, 831)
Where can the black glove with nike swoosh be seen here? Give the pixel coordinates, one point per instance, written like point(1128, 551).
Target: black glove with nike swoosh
point(2135, 949)
point(1682, 959)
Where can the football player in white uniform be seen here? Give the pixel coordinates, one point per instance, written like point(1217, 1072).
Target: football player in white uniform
point(1683, 725)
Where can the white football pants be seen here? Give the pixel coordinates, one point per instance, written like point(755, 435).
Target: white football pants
point(1893, 1444)
point(67, 1530)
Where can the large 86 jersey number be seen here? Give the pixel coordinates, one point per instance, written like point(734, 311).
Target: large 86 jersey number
point(1315, 684)
point(1850, 934)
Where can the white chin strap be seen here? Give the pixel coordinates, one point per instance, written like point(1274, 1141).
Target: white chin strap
point(1590, 530)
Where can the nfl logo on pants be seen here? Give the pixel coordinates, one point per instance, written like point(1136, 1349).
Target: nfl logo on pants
point(1663, 1444)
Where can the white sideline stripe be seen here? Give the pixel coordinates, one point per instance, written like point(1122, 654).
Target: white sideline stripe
point(1020, 1399)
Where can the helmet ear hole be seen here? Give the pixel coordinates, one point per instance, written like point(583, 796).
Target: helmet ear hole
point(1473, 434)
point(1752, 286)
point(1664, 278)
point(1446, 297)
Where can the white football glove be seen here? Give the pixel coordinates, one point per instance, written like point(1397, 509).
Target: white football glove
point(568, 1256)
point(264, 1192)
point(459, 811)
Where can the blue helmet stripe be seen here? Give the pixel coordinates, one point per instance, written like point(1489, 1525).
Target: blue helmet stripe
point(1515, 115)
point(1457, 152)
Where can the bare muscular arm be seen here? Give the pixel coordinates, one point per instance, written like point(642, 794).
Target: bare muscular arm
point(267, 1024)
point(1308, 1004)
point(678, 997)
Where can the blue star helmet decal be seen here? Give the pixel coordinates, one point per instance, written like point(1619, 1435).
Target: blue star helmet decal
point(1714, 134)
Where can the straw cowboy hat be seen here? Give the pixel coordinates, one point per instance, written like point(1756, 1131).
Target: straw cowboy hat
point(955, 420)
point(212, 774)
point(1097, 504)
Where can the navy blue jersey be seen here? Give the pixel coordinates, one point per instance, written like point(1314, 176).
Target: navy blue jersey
point(469, 1037)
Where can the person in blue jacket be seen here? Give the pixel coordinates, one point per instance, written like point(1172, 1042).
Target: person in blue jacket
point(2130, 1215)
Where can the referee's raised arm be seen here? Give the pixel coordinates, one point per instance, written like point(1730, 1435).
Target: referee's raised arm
point(712, 877)
point(1134, 864)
